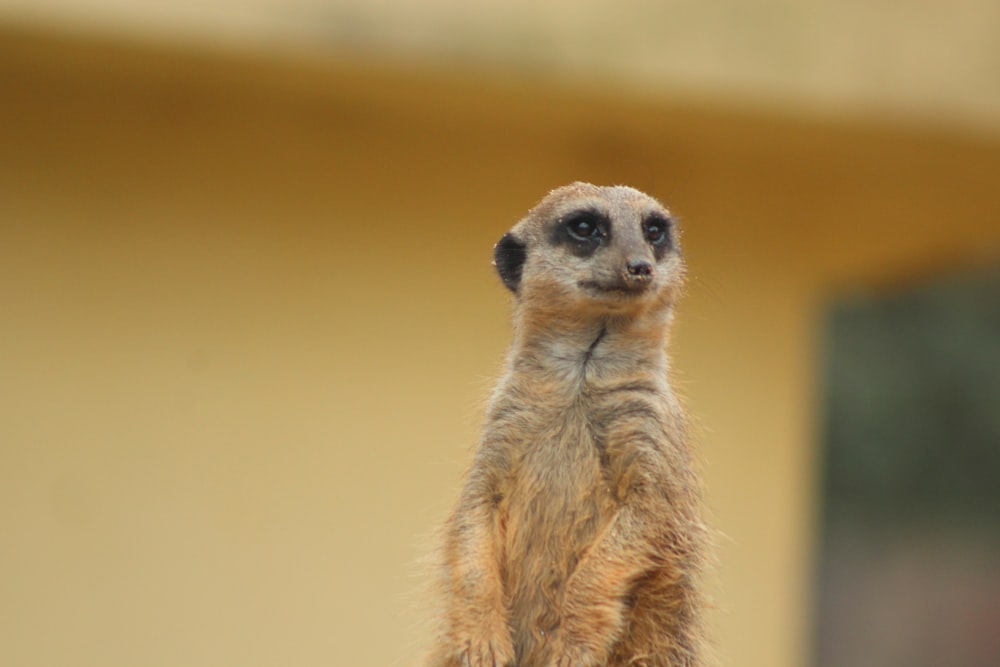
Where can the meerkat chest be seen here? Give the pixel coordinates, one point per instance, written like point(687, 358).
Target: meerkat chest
point(561, 460)
point(558, 493)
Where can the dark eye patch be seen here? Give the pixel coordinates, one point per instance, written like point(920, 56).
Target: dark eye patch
point(582, 232)
point(658, 231)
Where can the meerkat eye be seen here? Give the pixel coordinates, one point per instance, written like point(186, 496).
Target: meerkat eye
point(655, 230)
point(581, 229)
point(584, 228)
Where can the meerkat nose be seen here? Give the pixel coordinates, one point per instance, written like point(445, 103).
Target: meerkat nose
point(639, 271)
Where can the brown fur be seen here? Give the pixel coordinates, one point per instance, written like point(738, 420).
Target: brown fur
point(577, 540)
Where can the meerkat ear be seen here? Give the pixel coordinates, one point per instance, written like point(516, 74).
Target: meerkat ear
point(508, 256)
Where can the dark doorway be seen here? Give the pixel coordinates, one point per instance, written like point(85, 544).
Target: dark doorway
point(909, 571)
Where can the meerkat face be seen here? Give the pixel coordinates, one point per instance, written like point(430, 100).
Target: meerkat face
point(588, 247)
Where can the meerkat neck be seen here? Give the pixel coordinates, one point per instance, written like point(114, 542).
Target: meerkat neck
point(579, 349)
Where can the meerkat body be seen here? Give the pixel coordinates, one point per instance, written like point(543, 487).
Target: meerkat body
point(577, 539)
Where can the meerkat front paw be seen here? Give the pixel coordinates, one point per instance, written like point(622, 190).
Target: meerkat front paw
point(487, 649)
point(487, 654)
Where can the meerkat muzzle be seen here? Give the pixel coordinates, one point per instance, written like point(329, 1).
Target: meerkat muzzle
point(638, 271)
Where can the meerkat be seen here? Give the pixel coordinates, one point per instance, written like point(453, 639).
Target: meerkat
point(578, 539)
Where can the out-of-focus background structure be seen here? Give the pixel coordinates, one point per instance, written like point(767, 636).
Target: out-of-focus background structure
point(248, 318)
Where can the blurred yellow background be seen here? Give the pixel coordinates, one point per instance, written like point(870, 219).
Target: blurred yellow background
point(248, 318)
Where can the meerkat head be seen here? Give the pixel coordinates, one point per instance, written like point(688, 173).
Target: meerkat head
point(584, 248)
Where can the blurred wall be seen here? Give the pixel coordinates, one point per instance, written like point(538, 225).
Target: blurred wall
point(248, 321)
point(931, 61)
